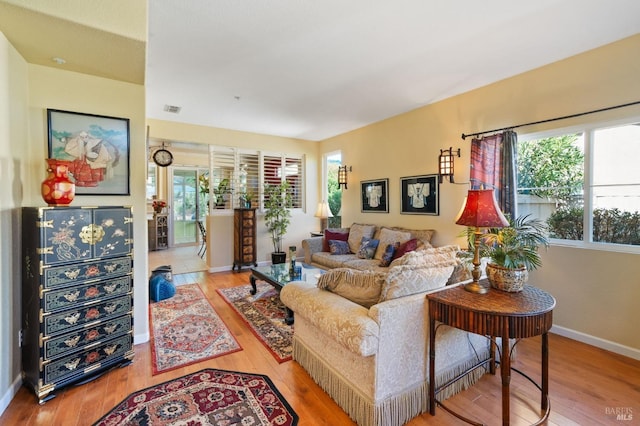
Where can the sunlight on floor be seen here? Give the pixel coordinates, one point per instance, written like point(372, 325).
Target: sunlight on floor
point(182, 259)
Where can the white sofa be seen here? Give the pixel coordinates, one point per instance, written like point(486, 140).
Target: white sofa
point(372, 359)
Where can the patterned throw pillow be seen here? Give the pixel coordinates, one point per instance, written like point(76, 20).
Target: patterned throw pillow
point(367, 248)
point(389, 236)
point(333, 235)
point(338, 247)
point(406, 280)
point(423, 236)
point(427, 257)
point(356, 232)
point(406, 247)
point(387, 256)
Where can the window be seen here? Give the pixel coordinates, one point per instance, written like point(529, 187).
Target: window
point(593, 170)
point(239, 175)
point(293, 175)
point(223, 166)
point(249, 177)
point(152, 190)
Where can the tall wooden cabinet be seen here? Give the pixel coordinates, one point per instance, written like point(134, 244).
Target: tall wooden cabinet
point(158, 232)
point(244, 238)
point(77, 293)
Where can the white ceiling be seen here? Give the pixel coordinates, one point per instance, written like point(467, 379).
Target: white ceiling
point(308, 69)
point(314, 69)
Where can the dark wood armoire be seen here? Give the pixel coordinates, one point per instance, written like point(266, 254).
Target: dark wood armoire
point(77, 293)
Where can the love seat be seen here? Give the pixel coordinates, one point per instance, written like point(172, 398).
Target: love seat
point(363, 335)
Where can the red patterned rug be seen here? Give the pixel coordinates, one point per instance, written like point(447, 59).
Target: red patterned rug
point(208, 397)
point(185, 329)
point(265, 314)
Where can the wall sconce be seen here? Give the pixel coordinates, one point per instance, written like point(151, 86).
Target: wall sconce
point(445, 162)
point(342, 176)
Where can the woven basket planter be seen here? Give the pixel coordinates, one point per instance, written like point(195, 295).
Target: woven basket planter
point(506, 279)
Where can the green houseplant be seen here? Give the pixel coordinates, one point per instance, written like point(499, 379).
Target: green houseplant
point(512, 251)
point(277, 205)
point(219, 192)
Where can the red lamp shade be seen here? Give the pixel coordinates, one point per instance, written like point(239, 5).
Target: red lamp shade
point(481, 210)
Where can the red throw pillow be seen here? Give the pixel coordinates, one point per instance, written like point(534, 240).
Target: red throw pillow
point(330, 235)
point(406, 247)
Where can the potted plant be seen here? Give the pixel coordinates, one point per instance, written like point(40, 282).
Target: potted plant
point(512, 251)
point(277, 204)
point(220, 193)
point(244, 199)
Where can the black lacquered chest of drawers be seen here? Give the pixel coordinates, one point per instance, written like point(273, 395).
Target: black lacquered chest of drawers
point(77, 293)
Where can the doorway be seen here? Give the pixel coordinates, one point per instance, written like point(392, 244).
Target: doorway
point(189, 205)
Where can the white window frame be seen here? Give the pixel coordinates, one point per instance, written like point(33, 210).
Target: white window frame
point(587, 130)
point(258, 198)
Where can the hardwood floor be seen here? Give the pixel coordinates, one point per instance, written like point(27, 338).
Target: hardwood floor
point(588, 385)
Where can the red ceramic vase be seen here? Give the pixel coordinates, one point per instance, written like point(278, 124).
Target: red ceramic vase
point(58, 189)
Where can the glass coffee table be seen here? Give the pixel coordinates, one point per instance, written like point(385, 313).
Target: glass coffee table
point(280, 275)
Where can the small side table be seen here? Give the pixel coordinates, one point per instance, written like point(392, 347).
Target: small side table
point(317, 234)
point(495, 314)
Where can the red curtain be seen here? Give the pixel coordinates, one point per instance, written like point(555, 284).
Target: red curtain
point(493, 166)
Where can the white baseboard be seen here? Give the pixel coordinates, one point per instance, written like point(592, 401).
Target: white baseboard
point(141, 338)
point(597, 342)
point(10, 393)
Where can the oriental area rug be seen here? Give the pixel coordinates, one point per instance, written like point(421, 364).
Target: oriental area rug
point(208, 397)
point(185, 329)
point(264, 313)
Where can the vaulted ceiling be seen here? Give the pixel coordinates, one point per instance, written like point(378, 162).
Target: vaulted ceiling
point(307, 69)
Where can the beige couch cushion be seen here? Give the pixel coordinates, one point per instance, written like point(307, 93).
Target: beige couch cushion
point(361, 287)
point(356, 232)
point(389, 236)
point(366, 265)
point(428, 256)
point(422, 235)
point(405, 280)
point(329, 260)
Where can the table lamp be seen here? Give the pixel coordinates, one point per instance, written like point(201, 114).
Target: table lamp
point(480, 211)
point(323, 212)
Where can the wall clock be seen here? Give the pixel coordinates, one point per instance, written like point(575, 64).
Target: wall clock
point(162, 157)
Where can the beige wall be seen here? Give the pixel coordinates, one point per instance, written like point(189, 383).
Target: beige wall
point(52, 88)
point(597, 292)
point(219, 255)
point(14, 134)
